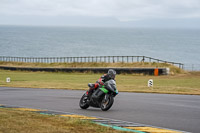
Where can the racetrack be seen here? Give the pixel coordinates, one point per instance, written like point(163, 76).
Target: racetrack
point(179, 112)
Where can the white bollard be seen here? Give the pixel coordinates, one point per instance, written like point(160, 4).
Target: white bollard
point(8, 80)
point(150, 83)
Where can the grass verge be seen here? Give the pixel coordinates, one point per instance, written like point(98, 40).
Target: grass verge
point(173, 69)
point(187, 83)
point(13, 121)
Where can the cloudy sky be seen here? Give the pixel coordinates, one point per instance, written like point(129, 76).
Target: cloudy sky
point(118, 13)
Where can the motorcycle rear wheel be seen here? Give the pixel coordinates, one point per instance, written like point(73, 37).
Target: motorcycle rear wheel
point(107, 102)
point(83, 102)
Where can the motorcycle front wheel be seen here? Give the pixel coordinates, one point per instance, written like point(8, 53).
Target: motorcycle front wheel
point(83, 102)
point(107, 102)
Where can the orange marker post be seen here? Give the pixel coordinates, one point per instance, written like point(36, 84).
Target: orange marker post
point(156, 72)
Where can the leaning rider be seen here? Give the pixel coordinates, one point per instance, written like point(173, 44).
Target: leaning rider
point(106, 77)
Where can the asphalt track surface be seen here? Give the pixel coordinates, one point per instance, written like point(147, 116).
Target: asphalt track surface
point(179, 112)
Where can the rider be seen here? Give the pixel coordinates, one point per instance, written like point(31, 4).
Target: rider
point(110, 75)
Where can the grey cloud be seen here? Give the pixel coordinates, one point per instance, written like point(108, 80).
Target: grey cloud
point(128, 13)
point(123, 10)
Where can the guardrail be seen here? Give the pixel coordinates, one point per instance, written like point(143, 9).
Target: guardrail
point(108, 59)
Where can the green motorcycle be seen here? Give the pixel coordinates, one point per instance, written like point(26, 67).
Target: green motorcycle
point(102, 97)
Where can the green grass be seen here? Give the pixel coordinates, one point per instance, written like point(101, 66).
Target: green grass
point(13, 121)
point(187, 83)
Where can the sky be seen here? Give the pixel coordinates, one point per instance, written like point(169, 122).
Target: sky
point(105, 13)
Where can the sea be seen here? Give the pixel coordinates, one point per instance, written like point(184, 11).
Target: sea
point(169, 44)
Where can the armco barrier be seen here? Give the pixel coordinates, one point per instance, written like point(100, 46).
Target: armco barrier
point(146, 71)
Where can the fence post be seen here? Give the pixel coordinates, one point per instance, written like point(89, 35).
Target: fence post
point(143, 59)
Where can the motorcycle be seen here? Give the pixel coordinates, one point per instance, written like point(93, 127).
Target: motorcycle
point(102, 97)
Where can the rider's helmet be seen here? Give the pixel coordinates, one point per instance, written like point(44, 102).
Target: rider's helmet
point(111, 73)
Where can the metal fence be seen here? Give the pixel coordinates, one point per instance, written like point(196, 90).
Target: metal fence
point(192, 67)
point(107, 59)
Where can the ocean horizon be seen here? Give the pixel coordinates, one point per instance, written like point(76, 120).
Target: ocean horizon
point(177, 45)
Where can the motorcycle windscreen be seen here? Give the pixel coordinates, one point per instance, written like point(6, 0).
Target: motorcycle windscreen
point(111, 85)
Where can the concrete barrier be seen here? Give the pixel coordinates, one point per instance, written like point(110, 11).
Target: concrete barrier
point(146, 71)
